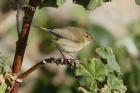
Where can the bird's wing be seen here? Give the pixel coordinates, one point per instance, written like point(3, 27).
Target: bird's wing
point(69, 34)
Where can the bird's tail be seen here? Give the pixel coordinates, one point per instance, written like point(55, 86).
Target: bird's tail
point(45, 29)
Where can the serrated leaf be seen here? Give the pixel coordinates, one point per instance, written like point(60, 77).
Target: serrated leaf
point(89, 72)
point(107, 54)
point(114, 85)
point(137, 2)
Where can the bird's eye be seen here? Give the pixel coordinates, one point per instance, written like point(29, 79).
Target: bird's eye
point(87, 37)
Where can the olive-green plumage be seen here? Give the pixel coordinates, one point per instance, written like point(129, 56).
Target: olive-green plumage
point(69, 39)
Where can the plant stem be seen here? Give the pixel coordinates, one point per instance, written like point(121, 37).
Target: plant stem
point(21, 45)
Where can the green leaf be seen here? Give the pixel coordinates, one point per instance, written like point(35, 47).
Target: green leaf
point(107, 54)
point(113, 82)
point(115, 85)
point(100, 2)
point(136, 40)
point(90, 4)
point(134, 76)
point(3, 87)
point(4, 64)
point(89, 72)
point(137, 2)
point(51, 3)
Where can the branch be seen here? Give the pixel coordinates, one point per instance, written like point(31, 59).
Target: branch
point(22, 41)
point(59, 61)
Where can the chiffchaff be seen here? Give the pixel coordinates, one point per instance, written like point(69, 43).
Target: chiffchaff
point(69, 39)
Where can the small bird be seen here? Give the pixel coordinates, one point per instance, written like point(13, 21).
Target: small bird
point(69, 39)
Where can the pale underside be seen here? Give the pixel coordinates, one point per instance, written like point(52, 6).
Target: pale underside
point(68, 46)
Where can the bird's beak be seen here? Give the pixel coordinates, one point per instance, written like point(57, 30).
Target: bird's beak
point(93, 40)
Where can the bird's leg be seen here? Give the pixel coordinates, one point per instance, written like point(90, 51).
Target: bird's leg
point(66, 53)
point(62, 53)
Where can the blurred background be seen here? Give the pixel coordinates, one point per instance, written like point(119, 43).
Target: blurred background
point(115, 24)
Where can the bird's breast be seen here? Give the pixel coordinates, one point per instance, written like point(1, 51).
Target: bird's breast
point(68, 45)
